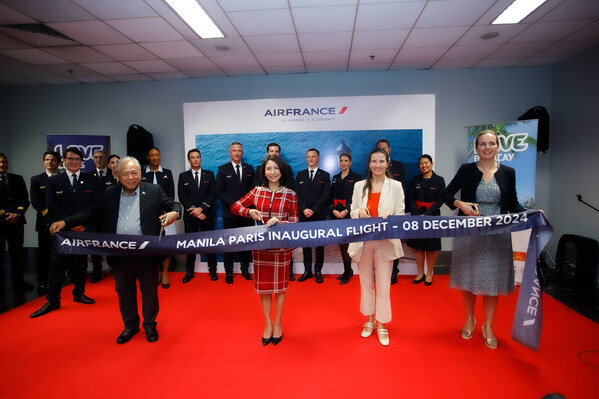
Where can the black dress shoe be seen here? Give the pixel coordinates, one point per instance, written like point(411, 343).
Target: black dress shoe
point(344, 280)
point(152, 334)
point(213, 275)
point(95, 279)
point(246, 275)
point(47, 308)
point(291, 277)
point(418, 280)
point(276, 340)
point(188, 276)
point(319, 278)
point(393, 278)
point(266, 341)
point(126, 335)
point(305, 276)
point(83, 299)
point(229, 278)
point(42, 289)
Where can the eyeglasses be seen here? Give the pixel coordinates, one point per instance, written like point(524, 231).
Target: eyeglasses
point(100, 157)
point(132, 174)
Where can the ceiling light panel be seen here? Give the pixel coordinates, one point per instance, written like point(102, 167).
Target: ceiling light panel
point(517, 11)
point(196, 18)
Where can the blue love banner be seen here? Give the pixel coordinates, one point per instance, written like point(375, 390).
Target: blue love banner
point(527, 322)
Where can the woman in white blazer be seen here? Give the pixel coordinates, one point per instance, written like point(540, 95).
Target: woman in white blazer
point(377, 196)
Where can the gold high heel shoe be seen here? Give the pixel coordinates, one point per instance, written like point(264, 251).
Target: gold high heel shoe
point(467, 333)
point(491, 342)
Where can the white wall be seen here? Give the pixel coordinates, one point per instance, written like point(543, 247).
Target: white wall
point(463, 97)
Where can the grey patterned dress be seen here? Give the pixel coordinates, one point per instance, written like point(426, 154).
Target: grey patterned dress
point(484, 265)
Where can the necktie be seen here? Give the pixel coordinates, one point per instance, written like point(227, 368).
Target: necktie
point(101, 173)
point(197, 179)
point(3, 184)
point(312, 175)
point(74, 180)
point(238, 173)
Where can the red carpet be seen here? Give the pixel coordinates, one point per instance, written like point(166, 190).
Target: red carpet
point(210, 347)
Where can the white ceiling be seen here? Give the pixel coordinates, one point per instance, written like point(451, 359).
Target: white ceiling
point(134, 40)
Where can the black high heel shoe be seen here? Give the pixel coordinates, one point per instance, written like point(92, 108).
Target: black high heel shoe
point(276, 340)
point(266, 341)
point(418, 281)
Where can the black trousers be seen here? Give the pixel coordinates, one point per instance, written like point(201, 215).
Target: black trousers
point(192, 226)
point(319, 252)
point(97, 264)
point(244, 256)
point(128, 270)
point(76, 265)
point(345, 256)
point(14, 235)
point(44, 245)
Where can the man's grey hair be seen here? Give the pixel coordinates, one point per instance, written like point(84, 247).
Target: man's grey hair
point(125, 160)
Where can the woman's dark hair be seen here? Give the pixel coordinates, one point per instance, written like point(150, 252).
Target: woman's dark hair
point(425, 156)
point(153, 148)
point(282, 166)
point(368, 185)
point(345, 154)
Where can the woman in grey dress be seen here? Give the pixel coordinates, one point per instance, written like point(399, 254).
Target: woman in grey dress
point(483, 265)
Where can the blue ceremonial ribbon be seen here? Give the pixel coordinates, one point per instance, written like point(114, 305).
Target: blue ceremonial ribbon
point(527, 321)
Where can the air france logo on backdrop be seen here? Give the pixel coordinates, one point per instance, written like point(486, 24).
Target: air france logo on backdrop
point(306, 114)
point(115, 244)
point(509, 145)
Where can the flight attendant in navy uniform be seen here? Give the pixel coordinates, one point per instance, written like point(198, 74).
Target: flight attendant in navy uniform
point(342, 188)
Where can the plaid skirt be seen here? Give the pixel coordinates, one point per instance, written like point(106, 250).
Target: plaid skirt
point(271, 270)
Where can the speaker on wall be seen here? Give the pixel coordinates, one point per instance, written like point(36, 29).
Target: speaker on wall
point(542, 115)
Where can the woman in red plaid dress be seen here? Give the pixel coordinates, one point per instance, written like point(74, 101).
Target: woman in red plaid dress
point(274, 203)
